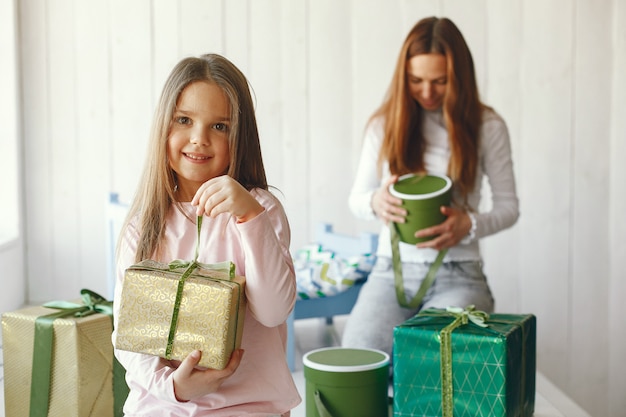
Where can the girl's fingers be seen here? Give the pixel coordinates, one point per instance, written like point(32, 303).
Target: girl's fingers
point(187, 365)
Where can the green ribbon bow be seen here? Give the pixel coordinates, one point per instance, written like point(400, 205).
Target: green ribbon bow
point(42, 352)
point(92, 303)
point(461, 318)
point(226, 266)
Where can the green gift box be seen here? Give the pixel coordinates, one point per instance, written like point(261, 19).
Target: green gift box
point(461, 362)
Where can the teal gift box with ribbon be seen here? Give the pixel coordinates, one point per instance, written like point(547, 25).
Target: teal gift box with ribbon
point(58, 360)
point(462, 362)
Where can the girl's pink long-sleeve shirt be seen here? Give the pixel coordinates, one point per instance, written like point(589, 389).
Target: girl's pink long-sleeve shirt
point(262, 385)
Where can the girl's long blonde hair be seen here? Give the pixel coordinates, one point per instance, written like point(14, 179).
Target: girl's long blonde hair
point(403, 144)
point(156, 191)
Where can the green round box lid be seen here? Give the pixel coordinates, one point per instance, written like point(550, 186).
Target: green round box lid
point(421, 185)
point(336, 359)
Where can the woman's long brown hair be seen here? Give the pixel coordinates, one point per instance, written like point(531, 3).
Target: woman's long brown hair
point(403, 144)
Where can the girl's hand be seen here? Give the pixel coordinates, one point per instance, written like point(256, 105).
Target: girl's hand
point(191, 382)
point(387, 207)
point(225, 195)
point(450, 232)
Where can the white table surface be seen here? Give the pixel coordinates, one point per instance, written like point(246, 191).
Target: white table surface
point(551, 401)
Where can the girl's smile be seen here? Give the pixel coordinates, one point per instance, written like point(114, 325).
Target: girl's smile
point(195, 157)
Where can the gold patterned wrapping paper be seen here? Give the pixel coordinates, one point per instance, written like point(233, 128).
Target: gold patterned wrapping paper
point(82, 364)
point(210, 317)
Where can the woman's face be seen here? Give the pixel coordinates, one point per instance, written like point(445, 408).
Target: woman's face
point(427, 80)
point(197, 146)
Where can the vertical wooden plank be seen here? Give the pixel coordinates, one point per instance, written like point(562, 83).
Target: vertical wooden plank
point(201, 27)
point(264, 74)
point(330, 107)
point(63, 176)
point(165, 43)
point(617, 208)
point(377, 35)
point(11, 218)
point(37, 179)
point(545, 192)
point(130, 91)
point(236, 32)
point(92, 100)
point(294, 123)
point(502, 91)
point(63, 273)
point(9, 132)
point(590, 221)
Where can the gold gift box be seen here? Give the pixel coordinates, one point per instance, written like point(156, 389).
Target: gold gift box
point(210, 316)
point(82, 364)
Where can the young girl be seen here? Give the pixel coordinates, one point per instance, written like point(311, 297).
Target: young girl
point(205, 159)
point(432, 120)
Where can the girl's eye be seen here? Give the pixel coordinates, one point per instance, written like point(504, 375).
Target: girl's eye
point(183, 120)
point(221, 127)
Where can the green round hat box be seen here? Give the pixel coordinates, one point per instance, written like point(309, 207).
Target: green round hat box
point(348, 382)
point(422, 196)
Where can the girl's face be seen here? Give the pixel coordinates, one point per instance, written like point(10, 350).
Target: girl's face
point(427, 80)
point(197, 145)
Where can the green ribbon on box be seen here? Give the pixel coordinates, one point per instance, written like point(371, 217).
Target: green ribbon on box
point(42, 352)
point(462, 317)
point(226, 266)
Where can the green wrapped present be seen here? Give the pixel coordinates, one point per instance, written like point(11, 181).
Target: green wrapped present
point(464, 363)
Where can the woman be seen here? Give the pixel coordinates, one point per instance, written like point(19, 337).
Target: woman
point(431, 121)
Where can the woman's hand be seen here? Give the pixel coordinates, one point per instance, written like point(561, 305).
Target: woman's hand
point(387, 207)
point(448, 233)
point(191, 382)
point(225, 195)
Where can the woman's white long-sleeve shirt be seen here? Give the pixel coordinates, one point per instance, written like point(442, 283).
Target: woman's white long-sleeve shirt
point(259, 248)
point(495, 164)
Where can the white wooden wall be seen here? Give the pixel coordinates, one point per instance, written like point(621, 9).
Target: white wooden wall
point(91, 73)
point(11, 240)
point(616, 208)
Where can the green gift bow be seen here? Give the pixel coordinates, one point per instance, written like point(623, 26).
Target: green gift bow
point(226, 266)
point(42, 352)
